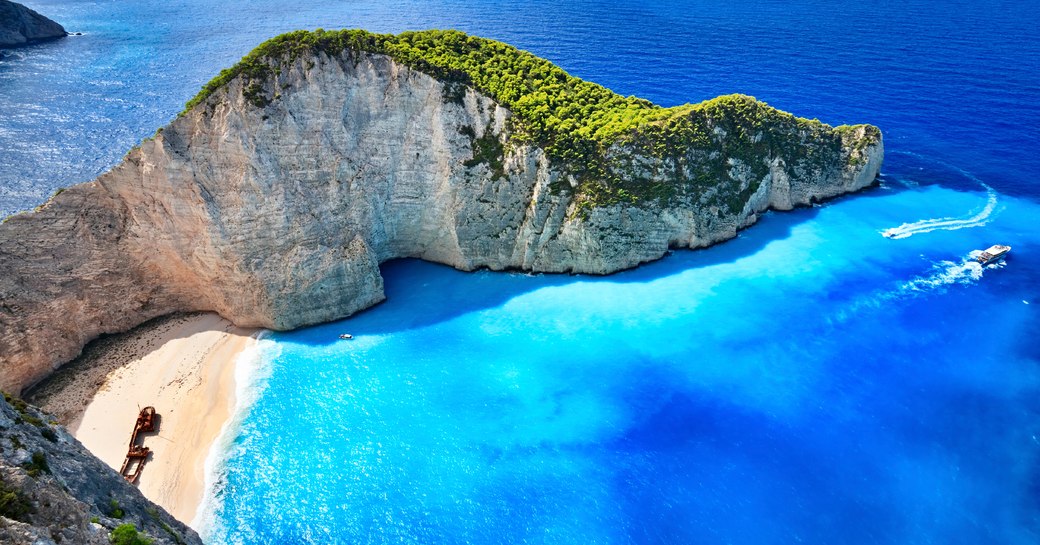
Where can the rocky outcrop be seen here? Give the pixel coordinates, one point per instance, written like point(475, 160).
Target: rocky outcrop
point(274, 202)
point(20, 25)
point(52, 490)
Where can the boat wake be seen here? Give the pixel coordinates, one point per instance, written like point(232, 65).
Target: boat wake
point(941, 276)
point(976, 218)
point(946, 273)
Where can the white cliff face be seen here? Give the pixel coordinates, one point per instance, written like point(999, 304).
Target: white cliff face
point(279, 215)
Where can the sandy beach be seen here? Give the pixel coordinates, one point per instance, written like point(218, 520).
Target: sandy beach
point(183, 366)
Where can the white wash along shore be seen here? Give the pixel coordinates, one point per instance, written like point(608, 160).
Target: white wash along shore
point(187, 372)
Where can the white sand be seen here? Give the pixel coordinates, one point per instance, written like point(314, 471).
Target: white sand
point(186, 372)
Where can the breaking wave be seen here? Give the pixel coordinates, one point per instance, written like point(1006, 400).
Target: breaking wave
point(252, 371)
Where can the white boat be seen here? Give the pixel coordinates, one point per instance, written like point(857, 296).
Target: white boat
point(346, 336)
point(993, 253)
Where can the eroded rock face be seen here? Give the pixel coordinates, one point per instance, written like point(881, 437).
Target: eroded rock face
point(52, 490)
point(20, 25)
point(278, 214)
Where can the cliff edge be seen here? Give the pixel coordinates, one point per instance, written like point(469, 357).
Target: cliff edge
point(273, 198)
point(20, 25)
point(52, 490)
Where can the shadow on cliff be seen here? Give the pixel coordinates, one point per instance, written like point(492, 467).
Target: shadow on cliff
point(434, 293)
point(79, 380)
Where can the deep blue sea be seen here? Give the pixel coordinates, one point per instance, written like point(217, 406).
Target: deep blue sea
point(809, 382)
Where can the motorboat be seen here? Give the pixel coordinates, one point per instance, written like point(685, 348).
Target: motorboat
point(993, 253)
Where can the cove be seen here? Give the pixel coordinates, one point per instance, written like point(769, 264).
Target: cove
point(810, 380)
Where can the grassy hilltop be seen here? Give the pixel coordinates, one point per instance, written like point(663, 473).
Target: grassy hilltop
point(575, 121)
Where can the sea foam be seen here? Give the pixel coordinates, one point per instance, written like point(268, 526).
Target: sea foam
point(942, 274)
point(252, 371)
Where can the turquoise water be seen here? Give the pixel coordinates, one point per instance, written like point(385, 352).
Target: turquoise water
point(811, 381)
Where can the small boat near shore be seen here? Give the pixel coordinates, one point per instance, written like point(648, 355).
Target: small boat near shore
point(346, 336)
point(993, 253)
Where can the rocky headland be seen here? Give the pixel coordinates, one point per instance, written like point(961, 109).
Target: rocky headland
point(52, 490)
point(20, 25)
point(273, 198)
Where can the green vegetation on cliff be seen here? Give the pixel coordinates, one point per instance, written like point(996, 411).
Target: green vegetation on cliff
point(127, 534)
point(577, 122)
point(13, 503)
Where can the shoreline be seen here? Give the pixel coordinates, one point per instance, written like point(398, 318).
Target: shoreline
point(184, 366)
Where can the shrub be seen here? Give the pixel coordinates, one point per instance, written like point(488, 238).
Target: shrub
point(13, 504)
point(115, 511)
point(19, 404)
point(22, 408)
point(38, 465)
point(127, 534)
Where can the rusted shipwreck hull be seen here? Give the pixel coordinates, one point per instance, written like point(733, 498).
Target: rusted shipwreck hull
point(137, 455)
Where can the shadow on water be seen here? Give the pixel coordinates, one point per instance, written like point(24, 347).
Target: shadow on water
point(421, 294)
point(433, 293)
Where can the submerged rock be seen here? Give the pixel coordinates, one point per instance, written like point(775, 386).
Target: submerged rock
point(20, 25)
point(275, 196)
point(52, 490)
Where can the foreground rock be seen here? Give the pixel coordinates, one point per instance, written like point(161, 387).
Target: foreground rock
point(275, 198)
point(20, 25)
point(52, 490)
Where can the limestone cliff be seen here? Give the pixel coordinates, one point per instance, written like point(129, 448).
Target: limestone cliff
point(52, 490)
point(274, 198)
point(20, 25)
